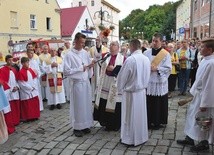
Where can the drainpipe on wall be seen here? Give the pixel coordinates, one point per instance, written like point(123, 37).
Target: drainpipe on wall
point(210, 18)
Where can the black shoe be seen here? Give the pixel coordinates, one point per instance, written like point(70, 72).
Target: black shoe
point(44, 100)
point(86, 131)
point(58, 106)
point(157, 127)
point(52, 107)
point(202, 146)
point(186, 141)
point(78, 133)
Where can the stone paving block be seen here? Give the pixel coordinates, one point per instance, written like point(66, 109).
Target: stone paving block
point(158, 153)
point(84, 146)
point(29, 145)
point(146, 149)
point(67, 152)
point(169, 136)
point(152, 142)
point(39, 146)
point(79, 140)
point(121, 147)
point(31, 152)
point(55, 151)
point(70, 139)
point(189, 153)
point(13, 150)
point(117, 152)
point(161, 149)
point(163, 142)
point(60, 138)
point(105, 152)
point(90, 141)
point(44, 152)
point(51, 145)
point(135, 148)
point(21, 152)
point(79, 152)
point(62, 145)
point(92, 152)
point(72, 146)
point(49, 139)
point(110, 145)
point(156, 136)
point(129, 152)
point(175, 151)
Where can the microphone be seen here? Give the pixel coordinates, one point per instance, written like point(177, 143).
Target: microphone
point(104, 59)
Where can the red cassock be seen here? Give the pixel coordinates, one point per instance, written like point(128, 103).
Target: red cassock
point(29, 107)
point(12, 118)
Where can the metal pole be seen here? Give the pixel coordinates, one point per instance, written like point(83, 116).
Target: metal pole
point(101, 15)
point(210, 18)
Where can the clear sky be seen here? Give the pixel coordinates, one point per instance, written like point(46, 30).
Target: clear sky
point(125, 6)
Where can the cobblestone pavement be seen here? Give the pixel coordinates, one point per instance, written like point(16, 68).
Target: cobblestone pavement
point(52, 134)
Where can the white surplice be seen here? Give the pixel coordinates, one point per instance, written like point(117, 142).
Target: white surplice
point(54, 98)
point(158, 84)
point(202, 90)
point(81, 98)
point(28, 89)
point(133, 80)
point(35, 65)
point(9, 92)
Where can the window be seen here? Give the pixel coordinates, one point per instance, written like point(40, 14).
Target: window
point(48, 23)
point(46, 1)
point(33, 21)
point(92, 3)
point(13, 19)
point(80, 3)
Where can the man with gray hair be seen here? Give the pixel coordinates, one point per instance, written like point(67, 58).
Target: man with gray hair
point(107, 109)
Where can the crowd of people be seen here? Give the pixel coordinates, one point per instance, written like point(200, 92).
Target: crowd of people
point(123, 87)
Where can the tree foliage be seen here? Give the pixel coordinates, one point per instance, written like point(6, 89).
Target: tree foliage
point(156, 18)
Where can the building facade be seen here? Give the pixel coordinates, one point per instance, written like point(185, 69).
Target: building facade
point(110, 15)
point(21, 20)
point(183, 20)
point(201, 18)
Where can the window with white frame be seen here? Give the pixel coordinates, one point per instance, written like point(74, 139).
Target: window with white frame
point(13, 19)
point(48, 23)
point(92, 3)
point(33, 21)
point(80, 3)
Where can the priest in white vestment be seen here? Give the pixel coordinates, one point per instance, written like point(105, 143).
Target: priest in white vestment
point(43, 79)
point(202, 103)
point(157, 90)
point(133, 80)
point(55, 88)
point(78, 68)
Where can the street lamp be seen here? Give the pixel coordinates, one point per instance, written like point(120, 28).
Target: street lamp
point(128, 31)
point(101, 15)
point(140, 34)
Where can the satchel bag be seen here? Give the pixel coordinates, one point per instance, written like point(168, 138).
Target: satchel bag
point(177, 66)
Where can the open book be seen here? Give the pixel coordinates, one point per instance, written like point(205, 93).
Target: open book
point(116, 70)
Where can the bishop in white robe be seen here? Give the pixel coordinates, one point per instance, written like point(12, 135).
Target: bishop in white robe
point(133, 80)
point(55, 88)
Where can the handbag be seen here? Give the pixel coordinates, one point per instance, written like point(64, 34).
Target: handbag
point(177, 66)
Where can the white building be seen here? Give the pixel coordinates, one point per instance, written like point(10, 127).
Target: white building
point(109, 12)
point(183, 13)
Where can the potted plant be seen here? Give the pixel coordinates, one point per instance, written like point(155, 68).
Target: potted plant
point(101, 27)
point(91, 28)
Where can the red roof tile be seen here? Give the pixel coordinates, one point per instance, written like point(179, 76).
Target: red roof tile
point(69, 19)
